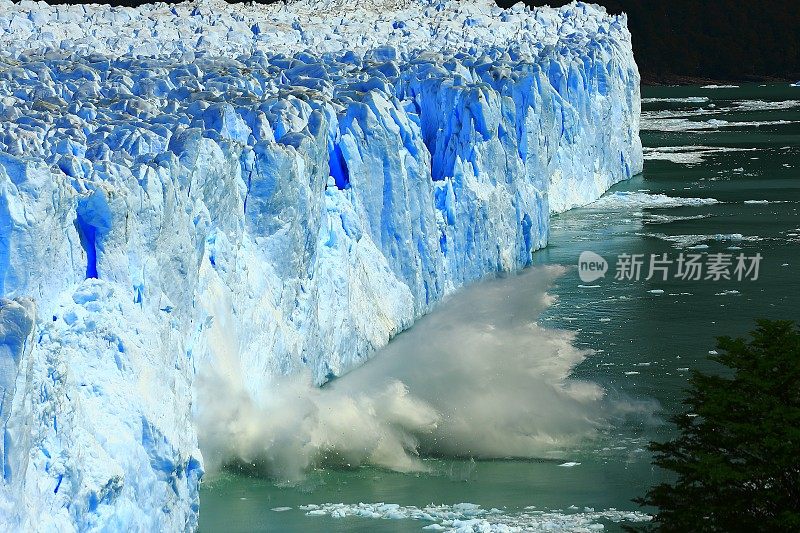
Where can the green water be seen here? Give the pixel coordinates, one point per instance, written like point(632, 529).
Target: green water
point(643, 341)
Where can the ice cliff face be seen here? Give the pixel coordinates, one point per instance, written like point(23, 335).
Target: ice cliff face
point(266, 189)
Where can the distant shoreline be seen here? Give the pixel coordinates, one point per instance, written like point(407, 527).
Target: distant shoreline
point(660, 80)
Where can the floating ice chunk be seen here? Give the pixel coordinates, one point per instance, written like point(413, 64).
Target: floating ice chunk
point(697, 241)
point(678, 124)
point(308, 507)
point(639, 200)
point(686, 100)
point(687, 155)
point(761, 105)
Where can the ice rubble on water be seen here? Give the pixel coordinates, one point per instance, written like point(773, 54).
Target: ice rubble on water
point(272, 188)
point(472, 518)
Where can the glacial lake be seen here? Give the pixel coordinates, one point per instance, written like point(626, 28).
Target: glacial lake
point(739, 146)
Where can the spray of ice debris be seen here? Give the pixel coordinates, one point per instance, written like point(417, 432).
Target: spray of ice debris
point(477, 377)
point(298, 426)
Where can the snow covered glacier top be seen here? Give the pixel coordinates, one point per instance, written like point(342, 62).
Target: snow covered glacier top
point(206, 193)
point(215, 27)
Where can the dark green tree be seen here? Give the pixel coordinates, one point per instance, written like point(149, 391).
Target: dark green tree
point(737, 457)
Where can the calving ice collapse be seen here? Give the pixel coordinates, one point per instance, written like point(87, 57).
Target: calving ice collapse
point(200, 190)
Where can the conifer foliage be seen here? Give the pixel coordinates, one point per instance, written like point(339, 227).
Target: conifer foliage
point(736, 461)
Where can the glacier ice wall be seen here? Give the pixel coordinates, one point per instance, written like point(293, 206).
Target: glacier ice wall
point(261, 190)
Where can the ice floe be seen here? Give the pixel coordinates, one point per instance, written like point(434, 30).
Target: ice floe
point(640, 200)
point(688, 155)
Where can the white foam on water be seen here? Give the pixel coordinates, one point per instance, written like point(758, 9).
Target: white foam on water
point(469, 517)
point(713, 86)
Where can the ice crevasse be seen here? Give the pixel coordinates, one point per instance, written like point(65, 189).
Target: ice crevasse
point(270, 187)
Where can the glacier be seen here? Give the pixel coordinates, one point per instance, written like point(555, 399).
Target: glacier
point(266, 190)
